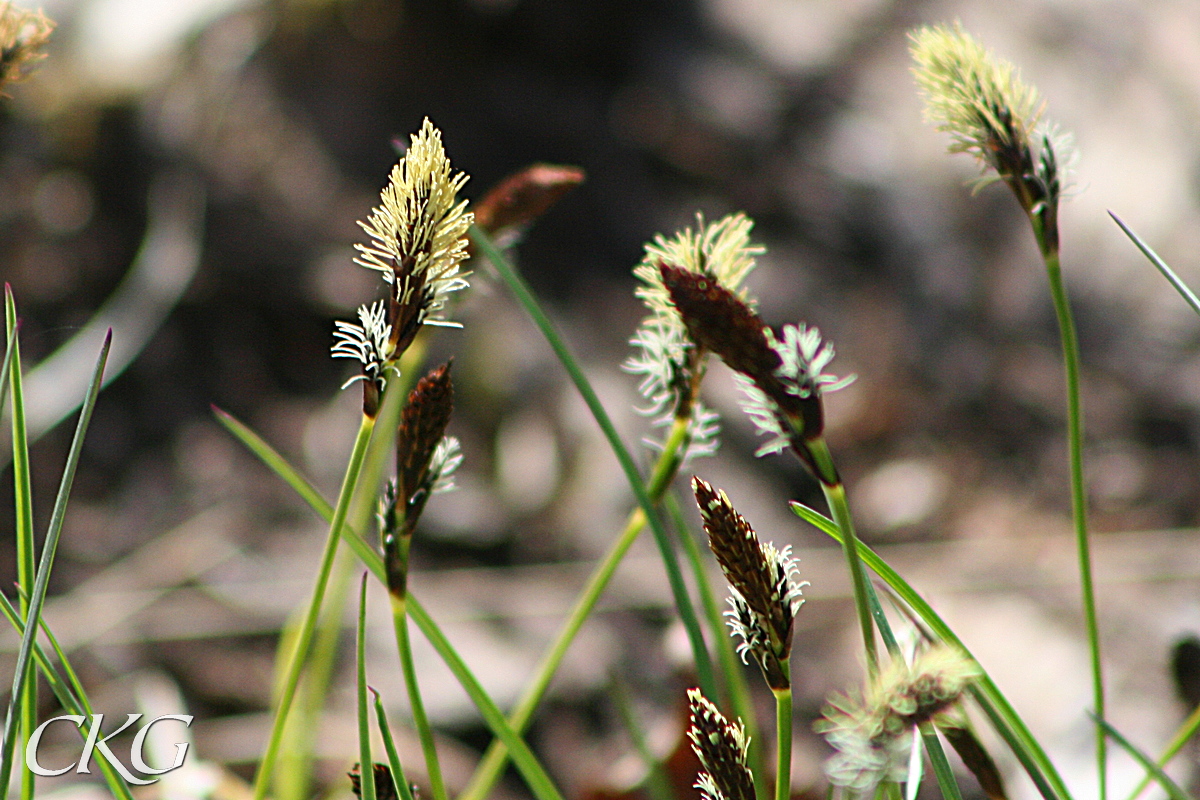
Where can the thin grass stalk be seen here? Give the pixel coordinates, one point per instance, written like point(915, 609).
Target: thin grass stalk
point(526, 763)
point(683, 602)
point(1173, 789)
point(1182, 736)
point(25, 548)
point(783, 743)
point(389, 746)
point(1070, 349)
point(835, 496)
point(657, 784)
point(366, 765)
point(730, 665)
point(24, 667)
point(69, 692)
point(522, 757)
point(293, 779)
point(433, 768)
point(1003, 717)
point(941, 765)
point(262, 778)
point(491, 766)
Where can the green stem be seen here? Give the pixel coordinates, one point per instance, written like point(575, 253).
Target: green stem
point(783, 741)
point(1070, 348)
point(835, 496)
point(366, 764)
point(437, 785)
point(491, 766)
point(1181, 737)
point(731, 666)
point(941, 765)
point(683, 602)
point(389, 745)
point(262, 779)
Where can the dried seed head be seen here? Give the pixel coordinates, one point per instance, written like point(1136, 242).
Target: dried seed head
point(722, 749)
point(419, 237)
point(22, 36)
point(385, 787)
point(871, 734)
point(766, 592)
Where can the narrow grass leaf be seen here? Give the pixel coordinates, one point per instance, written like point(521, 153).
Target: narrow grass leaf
point(366, 765)
point(41, 581)
point(389, 746)
point(941, 765)
point(1173, 790)
point(69, 692)
point(1182, 736)
point(683, 602)
point(1181, 287)
point(526, 763)
point(994, 704)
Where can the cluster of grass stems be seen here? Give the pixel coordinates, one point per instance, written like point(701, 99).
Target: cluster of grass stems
point(879, 732)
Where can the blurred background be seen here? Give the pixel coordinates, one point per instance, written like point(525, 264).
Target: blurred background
point(190, 173)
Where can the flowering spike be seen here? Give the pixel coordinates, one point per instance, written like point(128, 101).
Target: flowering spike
point(982, 103)
point(722, 748)
point(370, 343)
point(765, 589)
point(418, 237)
point(871, 733)
point(422, 428)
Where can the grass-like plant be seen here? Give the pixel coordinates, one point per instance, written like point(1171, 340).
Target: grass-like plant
point(920, 678)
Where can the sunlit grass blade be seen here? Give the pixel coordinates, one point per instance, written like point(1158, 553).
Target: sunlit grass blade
point(26, 705)
point(41, 581)
point(69, 693)
point(530, 769)
point(275, 462)
point(433, 767)
point(1173, 790)
point(299, 656)
point(683, 602)
point(293, 777)
point(9, 351)
point(389, 746)
point(941, 765)
point(1181, 287)
point(995, 705)
point(523, 758)
point(1182, 736)
point(366, 765)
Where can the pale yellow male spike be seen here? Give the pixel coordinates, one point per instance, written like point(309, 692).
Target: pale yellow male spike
point(977, 98)
point(419, 232)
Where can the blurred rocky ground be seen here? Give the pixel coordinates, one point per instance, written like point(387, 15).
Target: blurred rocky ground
point(195, 168)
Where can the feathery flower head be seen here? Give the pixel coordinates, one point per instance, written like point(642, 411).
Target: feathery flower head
point(787, 375)
point(670, 363)
point(722, 749)
point(803, 357)
point(871, 733)
point(419, 237)
point(766, 591)
point(22, 35)
point(370, 342)
point(720, 250)
point(982, 103)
